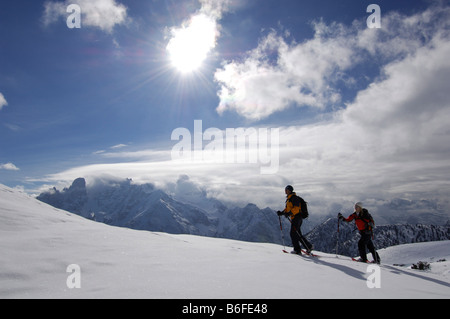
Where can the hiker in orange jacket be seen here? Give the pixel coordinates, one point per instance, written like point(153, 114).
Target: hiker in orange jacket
point(292, 211)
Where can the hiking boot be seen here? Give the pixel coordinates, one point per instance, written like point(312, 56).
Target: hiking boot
point(361, 260)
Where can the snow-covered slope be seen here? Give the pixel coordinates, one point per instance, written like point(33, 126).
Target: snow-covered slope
point(39, 242)
point(436, 254)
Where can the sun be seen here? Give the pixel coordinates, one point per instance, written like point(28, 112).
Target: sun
point(190, 44)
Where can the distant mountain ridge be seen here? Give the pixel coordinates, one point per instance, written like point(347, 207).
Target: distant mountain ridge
point(144, 207)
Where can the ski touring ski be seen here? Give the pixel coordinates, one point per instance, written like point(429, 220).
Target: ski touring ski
point(310, 254)
point(304, 253)
point(364, 262)
point(359, 261)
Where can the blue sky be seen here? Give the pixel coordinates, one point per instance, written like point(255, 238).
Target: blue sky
point(362, 113)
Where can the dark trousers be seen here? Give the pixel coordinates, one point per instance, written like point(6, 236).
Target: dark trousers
point(296, 235)
point(366, 241)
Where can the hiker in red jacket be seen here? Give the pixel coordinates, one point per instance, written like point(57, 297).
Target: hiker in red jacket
point(365, 224)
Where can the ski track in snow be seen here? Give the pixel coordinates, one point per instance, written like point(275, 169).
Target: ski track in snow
point(39, 242)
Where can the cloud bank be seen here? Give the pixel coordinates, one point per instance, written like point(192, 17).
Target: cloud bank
point(279, 74)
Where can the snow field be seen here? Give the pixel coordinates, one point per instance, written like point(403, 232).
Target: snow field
point(39, 242)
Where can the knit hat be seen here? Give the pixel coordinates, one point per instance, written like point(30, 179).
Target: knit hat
point(290, 188)
point(359, 204)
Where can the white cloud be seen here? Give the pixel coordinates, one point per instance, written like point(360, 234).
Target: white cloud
point(140, 155)
point(3, 101)
point(413, 95)
point(393, 140)
point(278, 74)
point(215, 8)
point(118, 146)
point(300, 74)
point(102, 14)
point(9, 167)
point(53, 11)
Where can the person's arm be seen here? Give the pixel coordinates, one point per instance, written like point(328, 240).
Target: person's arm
point(349, 219)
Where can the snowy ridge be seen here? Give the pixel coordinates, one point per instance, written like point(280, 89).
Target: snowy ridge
point(39, 242)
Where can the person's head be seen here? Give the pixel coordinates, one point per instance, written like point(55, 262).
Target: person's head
point(288, 189)
point(358, 207)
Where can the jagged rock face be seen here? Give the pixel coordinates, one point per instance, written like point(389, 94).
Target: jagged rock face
point(144, 207)
point(124, 204)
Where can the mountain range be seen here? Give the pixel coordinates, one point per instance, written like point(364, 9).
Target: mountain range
point(145, 207)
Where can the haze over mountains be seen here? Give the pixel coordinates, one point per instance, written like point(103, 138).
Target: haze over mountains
point(191, 211)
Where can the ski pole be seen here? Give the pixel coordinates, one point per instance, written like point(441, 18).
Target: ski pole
point(300, 236)
point(337, 238)
point(282, 235)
